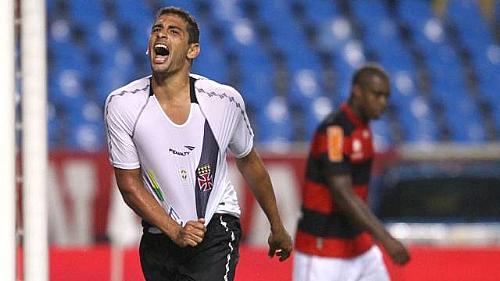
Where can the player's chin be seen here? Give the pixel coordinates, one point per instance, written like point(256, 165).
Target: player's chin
point(159, 68)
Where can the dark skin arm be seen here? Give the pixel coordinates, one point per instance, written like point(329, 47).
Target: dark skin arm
point(349, 203)
point(254, 172)
point(145, 205)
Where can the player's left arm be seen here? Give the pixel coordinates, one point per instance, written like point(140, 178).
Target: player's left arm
point(352, 206)
point(254, 172)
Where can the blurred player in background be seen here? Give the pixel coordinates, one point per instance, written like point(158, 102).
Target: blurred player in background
point(168, 136)
point(334, 236)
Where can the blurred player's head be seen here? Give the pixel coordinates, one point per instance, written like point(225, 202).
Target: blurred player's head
point(370, 91)
point(173, 41)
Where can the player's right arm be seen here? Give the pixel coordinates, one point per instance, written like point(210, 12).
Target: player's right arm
point(350, 204)
point(121, 112)
point(145, 205)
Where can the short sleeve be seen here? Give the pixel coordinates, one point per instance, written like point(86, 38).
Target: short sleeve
point(241, 142)
point(337, 157)
point(119, 128)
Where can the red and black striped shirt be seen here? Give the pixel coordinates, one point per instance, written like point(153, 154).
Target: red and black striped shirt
point(342, 144)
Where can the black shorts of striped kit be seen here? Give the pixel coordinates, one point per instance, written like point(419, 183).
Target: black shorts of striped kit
point(214, 259)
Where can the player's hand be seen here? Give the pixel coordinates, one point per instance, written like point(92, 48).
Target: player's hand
point(280, 244)
point(191, 234)
point(397, 251)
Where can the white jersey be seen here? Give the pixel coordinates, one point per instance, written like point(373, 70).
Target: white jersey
point(183, 166)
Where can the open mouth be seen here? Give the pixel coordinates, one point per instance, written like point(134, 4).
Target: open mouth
point(161, 50)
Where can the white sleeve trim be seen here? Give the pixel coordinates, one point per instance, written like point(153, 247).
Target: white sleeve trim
point(247, 151)
point(126, 166)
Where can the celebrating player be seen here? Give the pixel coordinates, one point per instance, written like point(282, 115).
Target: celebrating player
point(168, 135)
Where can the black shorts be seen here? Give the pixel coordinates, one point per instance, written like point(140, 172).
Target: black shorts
point(214, 259)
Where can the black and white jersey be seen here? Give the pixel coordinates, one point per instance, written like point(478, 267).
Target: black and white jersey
point(183, 166)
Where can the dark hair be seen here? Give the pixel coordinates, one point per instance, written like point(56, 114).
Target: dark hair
point(362, 76)
point(192, 27)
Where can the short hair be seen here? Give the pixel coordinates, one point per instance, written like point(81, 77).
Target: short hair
point(192, 27)
point(362, 76)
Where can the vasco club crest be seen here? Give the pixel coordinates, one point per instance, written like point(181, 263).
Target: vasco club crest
point(205, 180)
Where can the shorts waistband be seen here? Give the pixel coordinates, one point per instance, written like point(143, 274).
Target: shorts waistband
point(150, 228)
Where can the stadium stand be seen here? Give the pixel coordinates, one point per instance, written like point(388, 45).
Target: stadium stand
point(292, 61)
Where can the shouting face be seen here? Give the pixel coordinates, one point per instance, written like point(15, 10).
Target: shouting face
point(169, 48)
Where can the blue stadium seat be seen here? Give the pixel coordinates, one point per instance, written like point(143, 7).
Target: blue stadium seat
point(350, 57)
point(274, 123)
point(50, 4)
point(403, 88)
point(85, 127)
point(418, 125)
point(317, 109)
point(186, 5)
point(472, 27)
point(223, 10)
point(138, 17)
point(85, 136)
point(64, 51)
point(55, 126)
point(381, 34)
point(320, 11)
point(489, 83)
point(212, 61)
point(383, 137)
point(106, 42)
point(257, 85)
point(272, 11)
point(464, 119)
point(334, 34)
point(414, 12)
point(112, 77)
point(397, 59)
point(304, 87)
point(496, 118)
point(66, 88)
point(110, 52)
point(86, 14)
point(369, 11)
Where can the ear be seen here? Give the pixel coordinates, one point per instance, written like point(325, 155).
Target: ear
point(194, 51)
point(356, 92)
point(148, 45)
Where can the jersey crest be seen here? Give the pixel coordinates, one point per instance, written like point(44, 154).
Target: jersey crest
point(205, 179)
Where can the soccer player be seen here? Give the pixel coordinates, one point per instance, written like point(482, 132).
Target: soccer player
point(168, 136)
point(334, 236)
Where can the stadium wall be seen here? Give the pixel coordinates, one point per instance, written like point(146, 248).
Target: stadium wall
point(86, 212)
point(428, 263)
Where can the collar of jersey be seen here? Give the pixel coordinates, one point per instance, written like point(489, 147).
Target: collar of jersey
point(352, 116)
point(192, 91)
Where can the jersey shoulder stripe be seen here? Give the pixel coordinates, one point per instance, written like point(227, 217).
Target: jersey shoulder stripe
point(212, 88)
point(135, 90)
point(124, 105)
point(223, 95)
point(127, 101)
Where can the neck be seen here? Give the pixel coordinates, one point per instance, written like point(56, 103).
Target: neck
point(356, 109)
point(170, 86)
